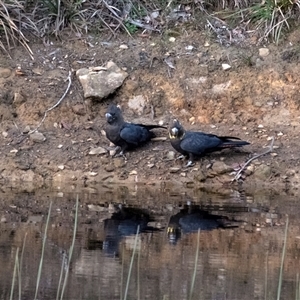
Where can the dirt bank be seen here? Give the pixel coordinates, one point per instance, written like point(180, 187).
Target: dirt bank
point(255, 99)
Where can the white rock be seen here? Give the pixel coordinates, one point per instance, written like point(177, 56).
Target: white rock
point(60, 146)
point(123, 47)
point(133, 172)
point(172, 39)
point(97, 151)
point(5, 134)
point(189, 47)
point(226, 67)
point(263, 52)
point(61, 167)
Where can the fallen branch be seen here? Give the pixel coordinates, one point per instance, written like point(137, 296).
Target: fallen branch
point(270, 149)
point(55, 105)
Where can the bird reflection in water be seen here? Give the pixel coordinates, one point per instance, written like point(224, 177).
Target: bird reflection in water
point(126, 221)
point(192, 218)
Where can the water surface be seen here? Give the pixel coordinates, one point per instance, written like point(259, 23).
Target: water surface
point(239, 253)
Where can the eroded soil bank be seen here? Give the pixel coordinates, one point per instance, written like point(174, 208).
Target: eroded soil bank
point(256, 99)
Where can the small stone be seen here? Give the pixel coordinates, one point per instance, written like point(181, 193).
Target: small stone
point(13, 151)
point(109, 168)
point(159, 138)
point(3, 220)
point(35, 219)
point(123, 47)
point(170, 155)
point(37, 137)
point(19, 99)
point(151, 166)
point(97, 151)
point(260, 126)
point(79, 109)
point(280, 134)
point(26, 129)
point(263, 172)
point(93, 174)
point(5, 72)
point(93, 207)
point(60, 146)
point(5, 134)
point(206, 44)
point(274, 154)
point(192, 120)
point(133, 172)
point(61, 167)
point(172, 39)
point(226, 67)
point(112, 152)
point(60, 194)
point(119, 162)
point(183, 174)
point(189, 48)
point(249, 170)
point(263, 52)
point(220, 167)
point(174, 170)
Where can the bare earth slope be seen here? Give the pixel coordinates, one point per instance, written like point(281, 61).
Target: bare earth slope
point(256, 99)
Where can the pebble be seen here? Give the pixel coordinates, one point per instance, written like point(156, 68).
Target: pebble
point(37, 137)
point(60, 146)
point(263, 52)
point(61, 167)
point(260, 126)
point(5, 72)
point(109, 168)
point(226, 67)
point(119, 162)
point(174, 170)
point(26, 129)
point(5, 134)
point(60, 194)
point(123, 47)
point(133, 172)
point(170, 155)
point(172, 39)
point(93, 174)
point(189, 47)
point(97, 151)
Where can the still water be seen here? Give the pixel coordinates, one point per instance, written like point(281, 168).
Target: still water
point(236, 254)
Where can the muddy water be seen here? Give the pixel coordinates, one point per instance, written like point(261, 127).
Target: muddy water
point(239, 246)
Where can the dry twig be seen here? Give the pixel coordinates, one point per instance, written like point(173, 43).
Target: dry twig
point(55, 105)
point(270, 149)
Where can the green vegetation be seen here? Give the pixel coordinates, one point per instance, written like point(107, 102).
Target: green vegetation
point(21, 18)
